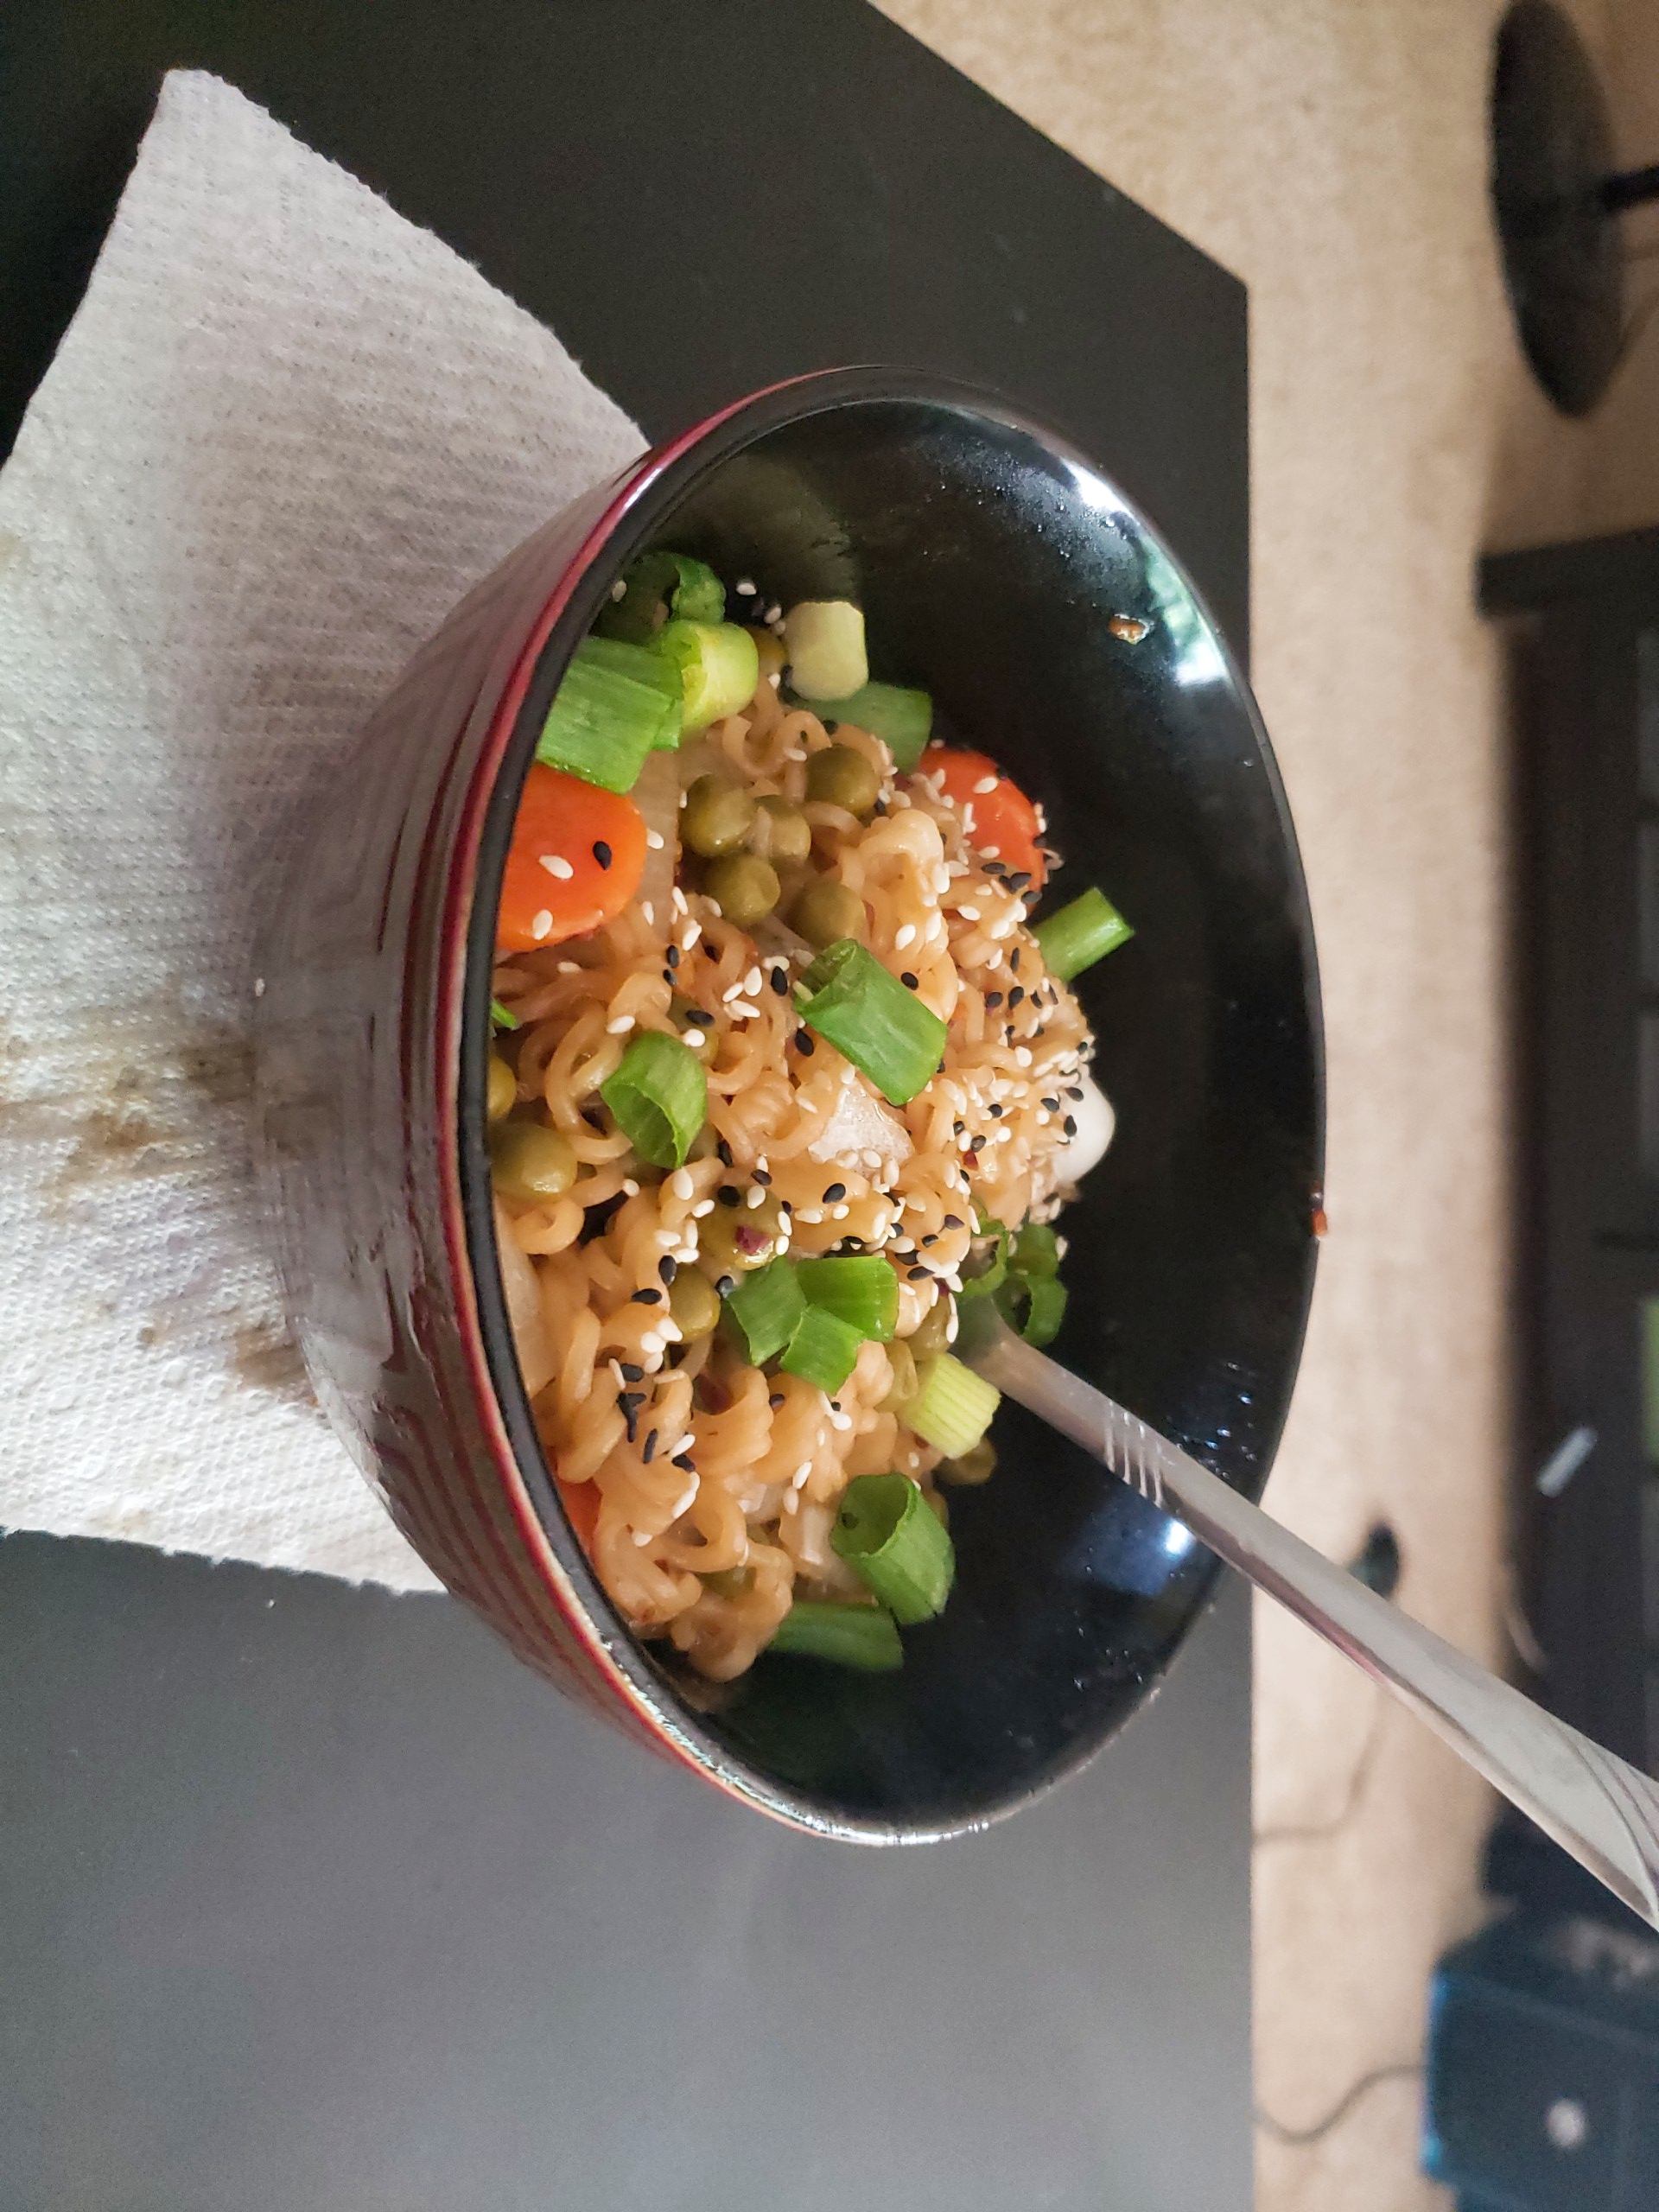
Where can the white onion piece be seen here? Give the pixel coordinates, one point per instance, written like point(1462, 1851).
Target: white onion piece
point(860, 1123)
point(536, 1361)
point(1096, 1122)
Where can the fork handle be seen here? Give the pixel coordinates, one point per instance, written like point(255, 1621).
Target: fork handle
point(1603, 1811)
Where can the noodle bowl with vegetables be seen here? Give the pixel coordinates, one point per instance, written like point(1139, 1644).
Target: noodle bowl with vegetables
point(784, 1070)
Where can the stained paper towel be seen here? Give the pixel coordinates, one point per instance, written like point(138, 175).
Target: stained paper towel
point(285, 432)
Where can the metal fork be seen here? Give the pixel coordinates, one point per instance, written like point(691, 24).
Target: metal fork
point(1603, 1811)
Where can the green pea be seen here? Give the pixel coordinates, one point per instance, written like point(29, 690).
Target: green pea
point(730, 1582)
point(974, 1467)
point(504, 1089)
point(932, 1334)
point(693, 1303)
point(530, 1162)
point(826, 912)
point(781, 831)
point(902, 1361)
point(843, 776)
point(734, 1240)
point(743, 887)
point(717, 817)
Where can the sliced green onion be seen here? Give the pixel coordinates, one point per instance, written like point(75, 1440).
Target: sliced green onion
point(954, 1406)
point(719, 666)
point(852, 1636)
point(1080, 934)
point(1036, 1249)
point(502, 1016)
point(864, 1012)
point(767, 1308)
point(659, 1095)
point(1035, 1306)
point(903, 720)
point(657, 582)
point(993, 1273)
point(887, 1531)
point(861, 1289)
point(822, 1349)
point(617, 704)
point(824, 639)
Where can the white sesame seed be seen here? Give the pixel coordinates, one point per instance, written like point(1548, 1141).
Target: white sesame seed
point(792, 1502)
point(841, 1421)
point(630, 1188)
point(259, 986)
point(541, 925)
point(649, 913)
point(741, 1010)
point(668, 1330)
point(654, 839)
point(757, 1197)
point(680, 906)
point(688, 1496)
point(620, 1027)
point(642, 1537)
point(619, 588)
point(990, 852)
point(732, 991)
point(987, 783)
point(968, 913)
point(775, 679)
point(774, 613)
point(680, 1183)
point(693, 1038)
point(703, 1208)
point(569, 968)
point(800, 1474)
point(906, 935)
point(752, 982)
point(1022, 1056)
point(650, 1343)
point(839, 1213)
point(556, 865)
point(745, 586)
point(694, 930)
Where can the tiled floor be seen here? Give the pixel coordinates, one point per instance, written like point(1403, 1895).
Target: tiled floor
point(1332, 152)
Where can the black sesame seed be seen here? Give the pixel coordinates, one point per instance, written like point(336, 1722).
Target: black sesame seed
point(917, 1275)
point(1013, 961)
point(1015, 996)
point(779, 981)
point(668, 1269)
point(995, 1113)
point(726, 1286)
point(684, 1459)
point(928, 1240)
point(953, 1221)
point(724, 1151)
point(650, 1451)
point(978, 1143)
point(835, 1405)
point(1050, 1105)
point(1074, 1094)
point(668, 977)
point(672, 956)
point(704, 1021)
point(1069, 1125)
point(763, 1179)
point(646, 1298)
point(1019, 880)
point(630, 1372)
point(831, 727)
point(601, 852)
point(910, 983)
point(957, 1127)
point(993, 999)
point(803, 1041)
point(775, 1399)
point(835, 1193)
point(729, 1195)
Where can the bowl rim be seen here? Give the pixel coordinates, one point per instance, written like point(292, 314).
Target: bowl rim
point(639, 504)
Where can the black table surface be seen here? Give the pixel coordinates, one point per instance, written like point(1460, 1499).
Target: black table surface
point(310, 1897)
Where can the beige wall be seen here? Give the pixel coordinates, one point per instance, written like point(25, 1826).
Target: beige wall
point(1333, 153)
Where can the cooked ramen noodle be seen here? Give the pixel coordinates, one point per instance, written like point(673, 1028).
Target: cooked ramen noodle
point(770, 996)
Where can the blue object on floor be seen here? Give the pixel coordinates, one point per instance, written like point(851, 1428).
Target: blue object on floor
point(1543, 2069)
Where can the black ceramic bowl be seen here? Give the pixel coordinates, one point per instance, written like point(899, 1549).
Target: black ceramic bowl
point(1003, 572)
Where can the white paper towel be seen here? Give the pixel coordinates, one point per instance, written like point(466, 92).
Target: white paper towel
point(285, 432)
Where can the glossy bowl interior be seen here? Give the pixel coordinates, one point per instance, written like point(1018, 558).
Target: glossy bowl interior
point(990, 559)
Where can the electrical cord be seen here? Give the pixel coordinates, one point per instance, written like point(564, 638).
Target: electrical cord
point(1297, 2139)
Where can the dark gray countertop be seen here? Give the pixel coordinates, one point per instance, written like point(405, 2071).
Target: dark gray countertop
point(310, 1897)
